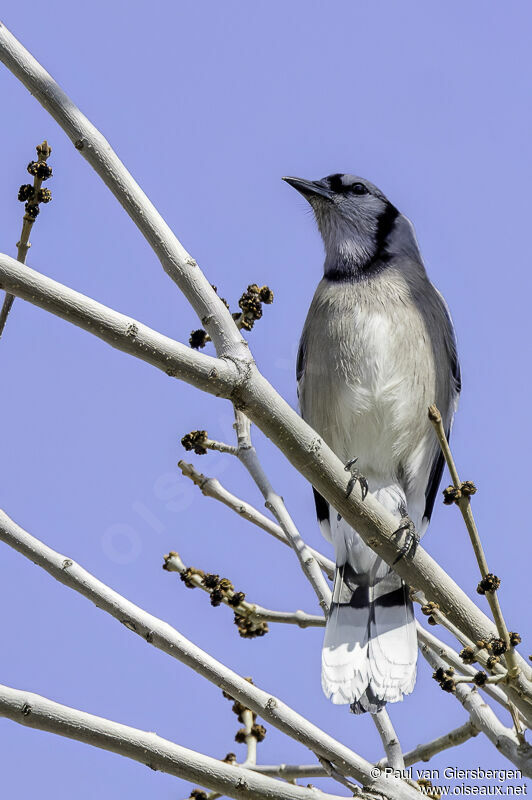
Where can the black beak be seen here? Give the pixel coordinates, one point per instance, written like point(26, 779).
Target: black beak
point(310, 189)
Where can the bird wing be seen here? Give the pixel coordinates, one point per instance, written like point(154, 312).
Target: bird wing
point(455, 383)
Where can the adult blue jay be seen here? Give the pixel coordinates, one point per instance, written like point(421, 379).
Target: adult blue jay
point(377, 349)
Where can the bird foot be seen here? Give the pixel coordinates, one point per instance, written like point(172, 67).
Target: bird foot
point(411, 539)
point(356, 476)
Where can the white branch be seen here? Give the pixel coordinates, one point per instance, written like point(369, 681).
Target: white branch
point(174, 563)
point(390, 740)
point(424, 752)
point(452, 658)
point(252, 393)
point(485, 720)
point(251, 740)
point(179, 265)
point(166, 638)
point(302, 446)
point(211, 487)
point(333, 773)
point(247, 454)
point(214, 375)
point(157, 753)
point(292, 771)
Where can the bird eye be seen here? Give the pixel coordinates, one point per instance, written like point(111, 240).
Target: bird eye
point(358, 188)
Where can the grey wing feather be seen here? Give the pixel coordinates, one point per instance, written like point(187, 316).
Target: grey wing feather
point(456, 376)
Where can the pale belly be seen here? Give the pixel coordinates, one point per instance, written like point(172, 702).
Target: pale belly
point(368, 396)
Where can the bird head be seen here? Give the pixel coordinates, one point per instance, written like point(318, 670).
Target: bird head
point(358, 224)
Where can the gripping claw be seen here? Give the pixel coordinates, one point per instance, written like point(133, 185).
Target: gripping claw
point(356, 475)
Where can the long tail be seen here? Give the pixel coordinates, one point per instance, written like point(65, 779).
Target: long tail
point(370, 647)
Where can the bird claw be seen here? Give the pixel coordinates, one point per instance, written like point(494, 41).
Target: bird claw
point(411, 540)
point(356, 476)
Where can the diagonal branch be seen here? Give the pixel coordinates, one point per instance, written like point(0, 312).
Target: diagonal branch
point(38, 712)
point(253, 394)
point(178, 264)
point(213, 375)
point(390, 740)
point(485, 720)
point(423, 752)
point(211, 487)
point(302, 446)
point(34, 196)
point(247, 454)
point(490, 582)
point(174, 563)
point(497, 693)
point(166, 638)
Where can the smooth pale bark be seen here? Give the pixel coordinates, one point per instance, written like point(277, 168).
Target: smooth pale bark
point(166, 638)
point(303, 447)
point(252, 393)
point(485, 720)
point(38, 712)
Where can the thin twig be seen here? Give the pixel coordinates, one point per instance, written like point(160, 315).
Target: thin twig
point(23, 245)
point(214, 375)
point(303, 447)
point(333, 773)
point(211, 487)
point(166, 638)
point(174, 563)
point(93, 146)
point(485, 720)
point(220, 447)
point(480, 649)
point(464, 504)
point(157, 753)
point(390, 740)
point(275, 503)
point(497, 693)
point(424, 752)
point(251, 739)
point(306, 451)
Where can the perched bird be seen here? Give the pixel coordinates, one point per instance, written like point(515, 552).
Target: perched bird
point(377, 349)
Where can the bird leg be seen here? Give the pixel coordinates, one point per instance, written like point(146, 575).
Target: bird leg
point(356, 475)
point(411, 540)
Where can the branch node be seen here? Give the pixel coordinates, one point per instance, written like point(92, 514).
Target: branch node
point(489, 583)
point(195, 440)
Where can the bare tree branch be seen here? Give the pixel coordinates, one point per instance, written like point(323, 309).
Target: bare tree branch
point(490, 582)
point(251, 392)
point(157, 753)
point(33, 195)
point(178, 264)
point(333, 773)
point(211, 487)
point(485, 720)
point(166, 638)
point(292, 771)
point(389, 738)
point(307, 451)
point(174, 563)
point(214, 375)
point(247, 454)
point(424, 752)
point(452, 658)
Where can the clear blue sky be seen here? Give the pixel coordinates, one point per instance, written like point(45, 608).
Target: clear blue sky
point(209, 104)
